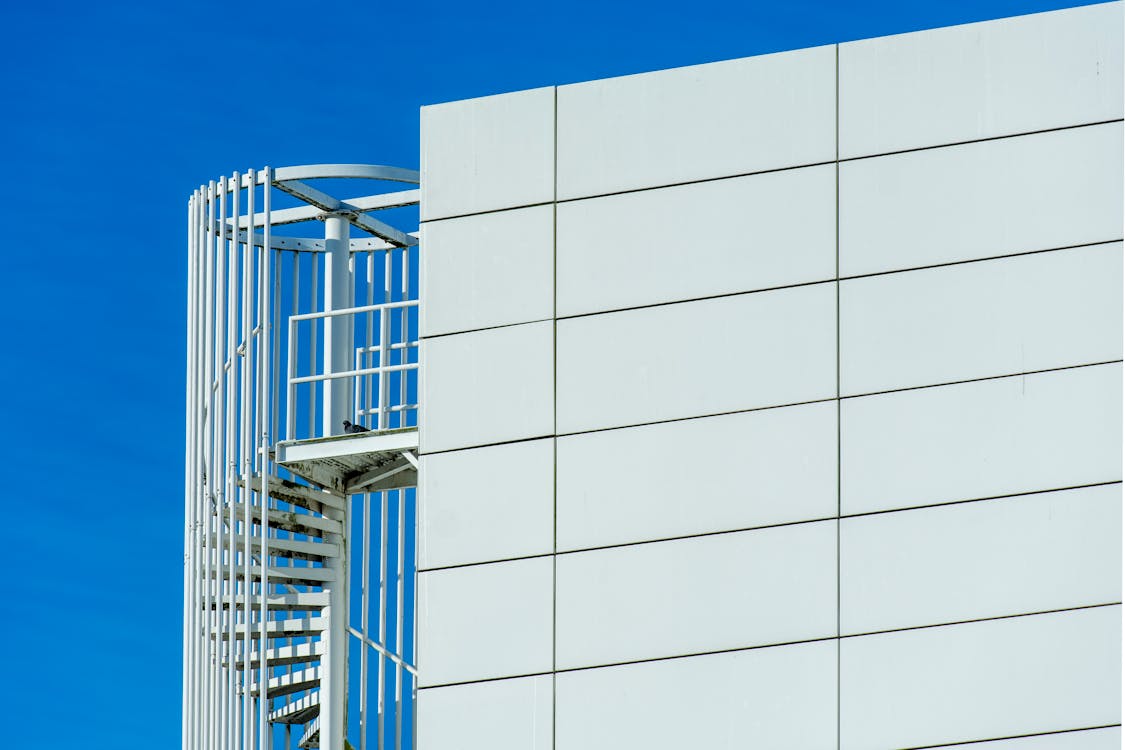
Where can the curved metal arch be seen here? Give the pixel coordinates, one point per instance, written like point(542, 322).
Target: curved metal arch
point(347, 171)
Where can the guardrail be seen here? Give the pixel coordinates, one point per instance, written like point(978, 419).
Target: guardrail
point(384, 374)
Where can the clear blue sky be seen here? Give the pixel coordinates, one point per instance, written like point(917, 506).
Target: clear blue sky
point(111, 114)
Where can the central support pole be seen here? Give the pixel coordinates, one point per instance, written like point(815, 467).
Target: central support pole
point(337, 330)
point(338, 344)
point(334, 661)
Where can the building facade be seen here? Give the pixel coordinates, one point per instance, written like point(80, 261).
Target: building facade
point(776, 402)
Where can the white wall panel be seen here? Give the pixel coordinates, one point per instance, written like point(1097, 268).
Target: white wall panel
point(485, 621)
point(993, 317)
point(983, 680)
point(488, 270)
point(779, 698)
point(969, 561)
point(698, 475)
point(973, 440)
point(697, 358)
point(983, 199)
point(981, 80)
point(1108, 738)
point(486, 504)
point(696, 123)
point(501, 715)
point(487, 387)
point(697, 240)
point(489, 153)
point(694, 595)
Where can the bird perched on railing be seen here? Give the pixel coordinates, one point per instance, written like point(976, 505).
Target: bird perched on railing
point(350, 428)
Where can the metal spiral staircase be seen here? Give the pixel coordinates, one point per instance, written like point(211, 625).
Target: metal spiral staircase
point(298, 578)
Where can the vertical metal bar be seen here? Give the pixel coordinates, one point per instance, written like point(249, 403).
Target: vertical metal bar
point(290, 408)
point(275, 344)
point(365, 596)
point(188, 713)
point(254, 408)
point(400, 612)
point(385, 342)
point(403, 351)
point(197, 500)
point(360, 355)
point(265, 318)
point(230, 469)
point(369, 339)
point(291, 364)
point(197, 552)
point(314, 307)
point(383, 553)
point(414, 633)
point(338, 344)
point(354, 383)
point(218, 464)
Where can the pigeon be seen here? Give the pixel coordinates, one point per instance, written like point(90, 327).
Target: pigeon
point(349, 427)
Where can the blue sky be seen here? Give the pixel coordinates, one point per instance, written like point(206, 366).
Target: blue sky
point(112, 113)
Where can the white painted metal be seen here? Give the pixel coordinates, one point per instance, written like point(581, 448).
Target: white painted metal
point(337, 329)
point(266, 556)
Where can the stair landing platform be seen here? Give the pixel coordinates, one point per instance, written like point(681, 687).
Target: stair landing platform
point(349, 464)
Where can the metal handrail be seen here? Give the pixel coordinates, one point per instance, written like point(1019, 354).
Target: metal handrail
point(384, 348)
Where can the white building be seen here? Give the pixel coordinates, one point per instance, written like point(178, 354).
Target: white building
point(770, 403)
point(776, 402)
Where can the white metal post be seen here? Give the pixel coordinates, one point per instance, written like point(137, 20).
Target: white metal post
point(337, 330)
point(334, 662)
point(337, 405)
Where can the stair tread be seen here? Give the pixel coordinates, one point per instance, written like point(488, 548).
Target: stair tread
point(316, 576)
point(287, 520)
point(299, 711)
point(280, 546)
point(288, 600)
point(291, 682)
point(291, 628)
point(301, 653)
point(288, 491)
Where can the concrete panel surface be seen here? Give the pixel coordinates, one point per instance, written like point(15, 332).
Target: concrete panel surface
point(689, 596)
point(698, 240)
point(489, 386)
point(969, 561)
point(513, 714)
point(696, 123)
point(486, 504)
point(697, 358)
point(981, 80)
point(973, 440)
point(780, 698)
point(487, 154)
point(1032, 192)
point(981, 319)
point(488, 270)
point(982, 680)
point(485, 621)
point(696, 476)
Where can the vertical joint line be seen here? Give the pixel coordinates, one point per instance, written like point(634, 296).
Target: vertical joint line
point(839, 431)
point(555, 427)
